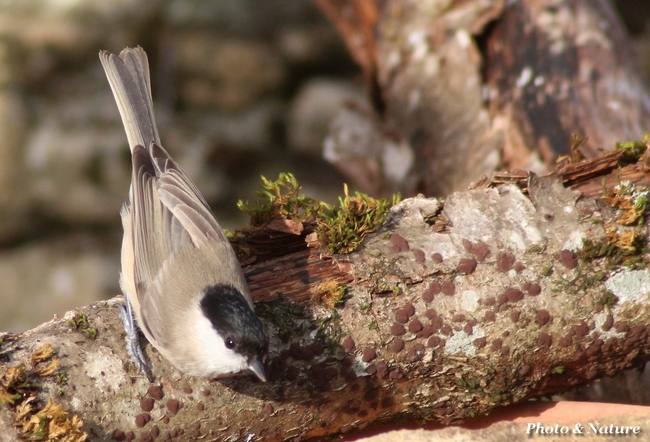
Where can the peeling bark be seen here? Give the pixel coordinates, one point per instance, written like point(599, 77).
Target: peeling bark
point(453, 309)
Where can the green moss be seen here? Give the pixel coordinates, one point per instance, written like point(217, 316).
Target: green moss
point(62, 378)
point(632, 150)
point(80, 323)
point(597, 249)
point(330, 332)
point(340, 228)
point(333, 294)
point(281, 199)
point(343, 228)
point(609, 299)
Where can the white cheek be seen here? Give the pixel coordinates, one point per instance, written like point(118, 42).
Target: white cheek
point(209, 353)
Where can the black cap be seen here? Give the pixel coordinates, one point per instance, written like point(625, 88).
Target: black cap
point(235, 321)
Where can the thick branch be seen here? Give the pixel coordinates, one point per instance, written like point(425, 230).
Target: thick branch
point(451, 311)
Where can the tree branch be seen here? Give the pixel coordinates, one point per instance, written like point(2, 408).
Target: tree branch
point(452, 310)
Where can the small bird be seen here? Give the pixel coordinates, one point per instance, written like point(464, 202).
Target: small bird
point(180, 276)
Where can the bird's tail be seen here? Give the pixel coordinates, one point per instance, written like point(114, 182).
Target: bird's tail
point(128, 75)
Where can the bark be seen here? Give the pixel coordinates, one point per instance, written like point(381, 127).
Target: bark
point(463, 88)
point(453, 309)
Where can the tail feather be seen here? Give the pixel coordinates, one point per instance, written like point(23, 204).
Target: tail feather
point(128, 75)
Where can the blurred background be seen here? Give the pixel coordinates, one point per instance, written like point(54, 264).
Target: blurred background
point(242, 88)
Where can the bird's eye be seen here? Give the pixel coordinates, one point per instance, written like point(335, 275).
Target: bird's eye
point(230, 343)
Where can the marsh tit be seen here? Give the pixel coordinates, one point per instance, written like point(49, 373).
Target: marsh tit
point(180, 276)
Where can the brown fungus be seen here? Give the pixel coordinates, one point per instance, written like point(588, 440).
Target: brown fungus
point(466, 266)
point(399, 241)
point(415, 326)
point(396, 374)
point(427, 296)
point(490, 316)
point(173, 406)
point(568, 258)
point(415, 353)
point(479, 249)
point(431, 313)
point(621, 327)
point(401, 316)
point(146, 404)
point(397, 329)
point(638, 331)
point(544, 340)
point(437, 258)
point(514, 316)
point(513, 294)
point(543, 317)
point(155, 392)
point(349, 345)
point(582, 329)
point(565, 341)
point(594, 348)
point(142, 419)
point(609, 322)
point(382, 370)
point(448, 288)
point(434, 341)
point(409, 309)
point(369, 354)
point(505, 261)
point(426, 331)
point(534, 289)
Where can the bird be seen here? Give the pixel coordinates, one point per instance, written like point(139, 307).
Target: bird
point(181, 279)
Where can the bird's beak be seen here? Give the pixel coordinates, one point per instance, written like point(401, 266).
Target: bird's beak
point(256, 367)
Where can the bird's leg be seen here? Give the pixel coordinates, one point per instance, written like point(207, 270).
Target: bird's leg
point(133, 340)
